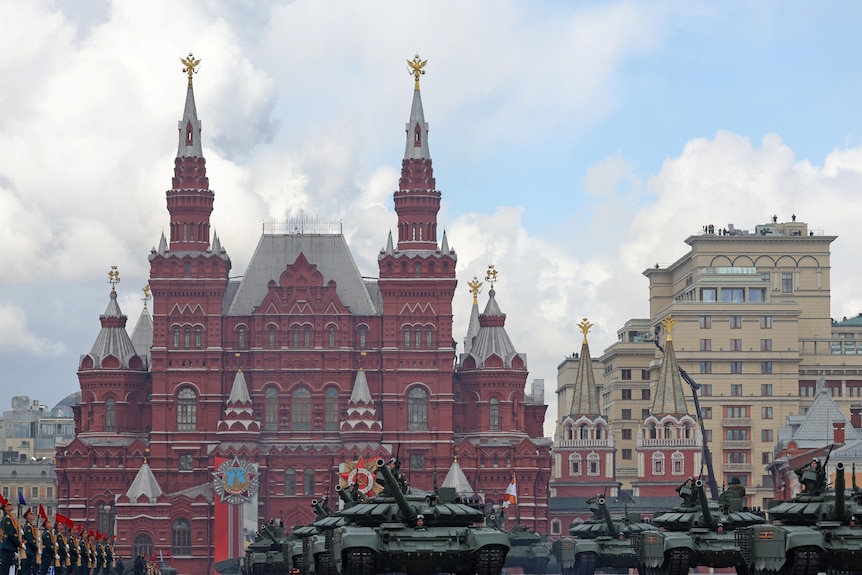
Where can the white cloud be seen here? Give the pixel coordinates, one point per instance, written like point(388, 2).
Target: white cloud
point(16, 337)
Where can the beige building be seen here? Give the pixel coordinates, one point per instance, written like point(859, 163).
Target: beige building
point(754, 329)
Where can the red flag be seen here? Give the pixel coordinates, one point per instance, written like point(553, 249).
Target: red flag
point(511, 495)
point(42, 514)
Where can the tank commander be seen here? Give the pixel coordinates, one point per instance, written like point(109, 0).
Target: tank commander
point(812, 476)
point(420, 522)
point(737, 487)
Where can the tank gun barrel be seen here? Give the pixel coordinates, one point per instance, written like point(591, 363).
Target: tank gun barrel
point(840, 487)
point(700, 492)
point(394, 490)
point(268, 534)
point(606, 515)
point(318, 508)
point(342, 493)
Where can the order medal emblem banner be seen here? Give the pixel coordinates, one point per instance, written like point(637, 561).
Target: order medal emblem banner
point(236, 484)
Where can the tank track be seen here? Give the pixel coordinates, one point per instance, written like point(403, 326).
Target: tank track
point(324, 565)
point(585, 564)
point(805, 561)
point(678, 562)
point(359, 562)
point(489, 561)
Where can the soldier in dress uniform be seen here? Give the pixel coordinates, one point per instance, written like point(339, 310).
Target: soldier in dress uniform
point(72, 546)
point(62, 549)
point(109, 553)
point(11, 537)
point(84, 553)
point(49, 546)
point(31, 545)
point(100, 555)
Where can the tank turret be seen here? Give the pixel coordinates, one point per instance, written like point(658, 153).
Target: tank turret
point(393, 489)
point(816, 502)
point(347, 499)
point(606, 515)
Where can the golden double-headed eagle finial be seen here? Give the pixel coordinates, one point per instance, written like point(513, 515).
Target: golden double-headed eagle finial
point(417, 66)
point(475, 287)
point(189, 65)
point(585, 328)
point(668, 323)
point(113, 277)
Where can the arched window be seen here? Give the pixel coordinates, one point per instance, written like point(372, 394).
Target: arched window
point(308, 482)
point(240, 338)
point(306, 337)
point(110, 405)
point(583, 432)
point(143, 545)
point(296, 337)
point(406, 337)
point(188, 267)
point(300, 410)
point(677, 463)
point(331, 337)
point(105, 515)
point(331, 409)
point(652, 432)
point(575, 464)
point(271, 341)
point(417, 409)
point(290, 482)
point(187, 409)
point(187, 338)
point(593, 466)
point(494, 414)
point(599, 431)
point(362, 334)
point(176, 338)
point(271, 410)
point(181, 538)
point(198, 338)
point(569, 432)
point(429, 338)
point(417, 269)
point(418, 338)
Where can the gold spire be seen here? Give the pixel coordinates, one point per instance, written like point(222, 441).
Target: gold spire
point(147, 296)
point(475, 288)
point(668, 323)
point(416, 68)
point(585, 328)
point(189, 65)
point(113, 277)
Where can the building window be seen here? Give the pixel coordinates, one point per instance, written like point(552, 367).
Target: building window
point(705, 322)
point(627, 414)
point(418, 333)
point(626, 374)
point(736, 367)
point(645, 394)
point(417, 409)
point(494, 414)
point(627, 454)
point(766, 457)
point(306, 337)
point(677, 463)
point(575, 464)
point(766, 412)
point(644, 413)
point(198, 338)
point(735, 345)
point(270, 409)
point(736, 411)
point(176, 338)
point(429, 338)
point(644, 375)
point(593, 464)
point(296, 337)
point(187, 338)
point(706, 412)
point(705, 389)
point(143, 545)
point(406, 337)
point(308, 481)
point(787, 283)
point(708, 294)
point(658, 463)
point(765, 345)
point(766, 435)
point(34, 492)
point(556, 527)
point(626, 393)
point(105, 515)
point(766, 322)
point(331, 337)
point(300, 410)
point(417, 269)
point(362, 335)
point(806, 390)
point(181, 538)
point(187, 409)
point(706, 345)
point(736, 390)
point(186, 461)
point(417, 461)
point(756, 295)
point(331, 409)
point(708, 435)
point(49, 492)
point(732, 295)
point(854, 390)
point(765, 367)
point(290, 481)
point(706, 367)
point(737, 457)
point(627, 434)
point(110, 405)
point(834, 390)
point(736, 434)
point(735, 322)
point(271, 338)
point(240, 338)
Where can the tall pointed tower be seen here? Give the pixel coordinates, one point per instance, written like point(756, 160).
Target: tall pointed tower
point(492, 438)
point(669, 442)
point(584, 462)
point(417, 284)
point(188, 278)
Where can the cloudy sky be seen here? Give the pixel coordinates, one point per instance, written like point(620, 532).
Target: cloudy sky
point(575, 144)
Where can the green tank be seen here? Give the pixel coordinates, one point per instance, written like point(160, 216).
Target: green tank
point(601, 542)
point(528, 551)
point(384, 534)
point(697, 532)
point(269, 553)
point(817, 530)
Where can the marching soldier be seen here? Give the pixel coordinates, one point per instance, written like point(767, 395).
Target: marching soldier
point(49, 546)
point(11, 537)
point(109, 553)
point(62, 548)
point(31, 546)
point(83, 554)
point(100, 555)
point(72, 546)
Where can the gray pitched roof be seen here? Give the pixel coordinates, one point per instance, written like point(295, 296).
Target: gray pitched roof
point(816, 428)
point(417, 116)
point(142, 336)
point(492, 337)
point(144, 484)
point(585, 398)
point(456, 478)
point(669, 394)
point(113, 339)
point(190, 115)
point(329, 252)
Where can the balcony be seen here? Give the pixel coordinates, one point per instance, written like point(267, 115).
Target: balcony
point(671, 443)
point(736, 422)
point(736, 467)
point(584, 443)
point(735, 444)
